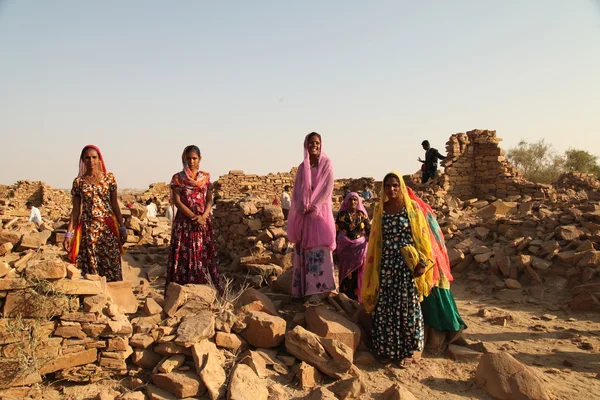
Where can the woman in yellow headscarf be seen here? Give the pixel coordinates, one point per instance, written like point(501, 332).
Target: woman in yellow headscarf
point(398, 273)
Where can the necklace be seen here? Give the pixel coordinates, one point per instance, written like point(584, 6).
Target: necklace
point(93, 179)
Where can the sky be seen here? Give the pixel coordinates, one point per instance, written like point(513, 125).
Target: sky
point(247, 80)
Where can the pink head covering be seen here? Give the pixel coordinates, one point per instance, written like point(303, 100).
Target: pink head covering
point(310, 222)
point(82, 169)
point(346, 203)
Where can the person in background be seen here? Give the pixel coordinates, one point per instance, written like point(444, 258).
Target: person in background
point(353, 228)
point(35, 216)
point(150, 208)
point(367, 194)
point(430, 169)
point(171, 210)
point(96, 232)
point(311, 226)
point(286, 201)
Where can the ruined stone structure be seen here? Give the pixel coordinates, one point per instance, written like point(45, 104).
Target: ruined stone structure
point(237, 184)
point(476, 167)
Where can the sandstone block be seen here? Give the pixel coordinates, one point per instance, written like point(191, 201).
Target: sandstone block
point(246, 385)
point(196, 328)
point(264, 330)
point(329, 324)
point(253, 300)
point(177, 295)
point(181, 384)
point(121, 294)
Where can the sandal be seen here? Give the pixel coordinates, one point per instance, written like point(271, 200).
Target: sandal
point(385, 361)
point(406, 363)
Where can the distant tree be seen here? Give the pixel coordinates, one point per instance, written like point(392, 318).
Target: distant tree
point(538, 161)
point(582, 161)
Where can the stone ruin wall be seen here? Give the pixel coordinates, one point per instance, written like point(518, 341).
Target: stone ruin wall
point(476, 166)
point(237, 184)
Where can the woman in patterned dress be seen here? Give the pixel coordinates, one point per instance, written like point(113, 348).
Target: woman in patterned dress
point(96, 232)
point(310, 223)
point(353, 228)
point(193, 256)
point(394, 282)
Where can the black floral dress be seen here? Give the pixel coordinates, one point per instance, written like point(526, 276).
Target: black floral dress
point(398, 329)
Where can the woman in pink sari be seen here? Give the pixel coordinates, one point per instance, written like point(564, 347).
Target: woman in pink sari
point(353, 228)
point(310, 223)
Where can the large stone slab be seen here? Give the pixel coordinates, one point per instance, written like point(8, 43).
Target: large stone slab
point(70, 360)
point(181, 384)
point(177, 295)
point(264, 330)
point(329, 356)
point(121, 294)
point(196, 328)
point(246, 385)
point(329, 324)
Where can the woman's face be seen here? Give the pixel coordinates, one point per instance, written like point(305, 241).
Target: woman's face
point(91, 159)
point(392, 187)
point(353, 203)
point(193, 160)
point(314, 145)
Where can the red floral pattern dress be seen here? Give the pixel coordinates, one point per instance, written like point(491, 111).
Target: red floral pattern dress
point(193, 255)
point(99, 250)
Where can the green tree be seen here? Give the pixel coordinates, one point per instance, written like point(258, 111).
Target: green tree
point(538, 162)
point(582, 161)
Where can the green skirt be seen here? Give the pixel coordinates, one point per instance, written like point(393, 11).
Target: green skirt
point(440, 311)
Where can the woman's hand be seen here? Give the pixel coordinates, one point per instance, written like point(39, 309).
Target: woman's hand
point(123, 235)
point(67, 243)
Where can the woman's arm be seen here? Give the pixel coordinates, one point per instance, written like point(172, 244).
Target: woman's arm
point(114, 202)
point(208, 206)
point(181, 207)
point(73, 221)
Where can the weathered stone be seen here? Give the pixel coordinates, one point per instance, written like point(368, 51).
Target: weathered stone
point(94, 304)
point(329, 324)
point(229, 341)
point(177, 295)
point(73, 272)
point(34, 240)
point(246, 385)
point(147, 359)
point(283, 283)
point(168, 349)
point(331, 357)
point(121, 294)
point(209, 366)
point(70, 332)
point(568, 232)
point(253, 300)
point(14, 283)
point(141, 340)
point(589, 258)
point(321, 393)
point(512, 284)
point(308, 376)
point(196, 328)
point(69, 361)
point(264, 330)
point(350, 388)
point(13, 374)
point(181, 384)
point(585, 301)
point(151, 307)
point(79, 286)
point(171, 363)
point(4, 268)
point(255, 361)
point(505, 378)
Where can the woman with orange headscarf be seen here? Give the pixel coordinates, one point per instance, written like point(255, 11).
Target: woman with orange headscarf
point(96, 232)
point(193, 256)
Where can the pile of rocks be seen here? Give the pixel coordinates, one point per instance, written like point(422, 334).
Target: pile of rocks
point(533, 245)
point(579, 181)
point(236, 184)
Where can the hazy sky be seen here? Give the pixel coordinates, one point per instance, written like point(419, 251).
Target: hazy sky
point(246, 80)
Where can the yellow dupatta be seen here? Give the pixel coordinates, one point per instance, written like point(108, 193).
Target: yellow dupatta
point(421, 250)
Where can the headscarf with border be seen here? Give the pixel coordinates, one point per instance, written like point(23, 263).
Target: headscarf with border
point(422, 245)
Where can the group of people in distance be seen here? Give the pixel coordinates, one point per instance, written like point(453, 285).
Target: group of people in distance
point(396, 263)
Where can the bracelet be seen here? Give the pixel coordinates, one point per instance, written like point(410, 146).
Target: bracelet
point(68, 235)
point(122, 228)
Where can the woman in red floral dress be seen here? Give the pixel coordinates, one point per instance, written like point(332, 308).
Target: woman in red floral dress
point(96, 232)
point(193, 256)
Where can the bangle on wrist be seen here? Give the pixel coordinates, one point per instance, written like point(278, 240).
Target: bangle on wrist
point(69, 235)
